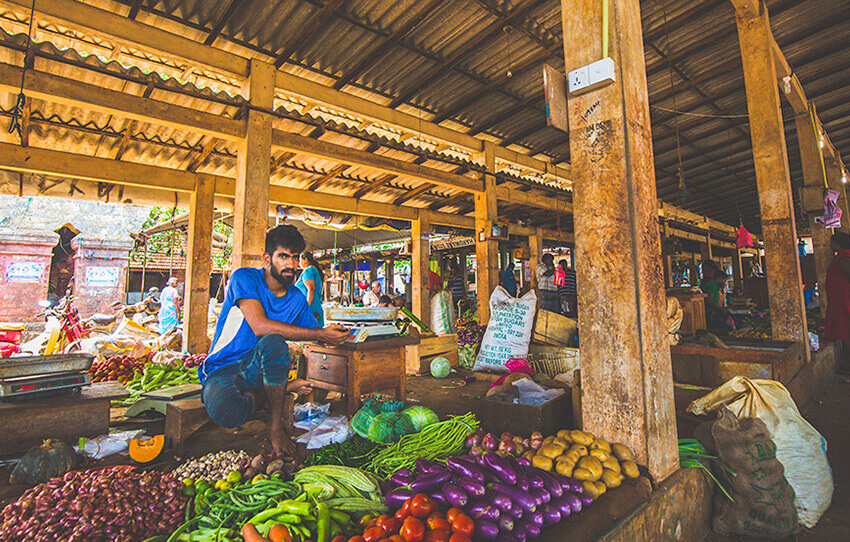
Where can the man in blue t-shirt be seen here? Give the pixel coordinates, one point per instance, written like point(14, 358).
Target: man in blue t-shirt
point(249, 357)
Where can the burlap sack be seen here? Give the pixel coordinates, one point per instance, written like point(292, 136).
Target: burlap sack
point(763, 503)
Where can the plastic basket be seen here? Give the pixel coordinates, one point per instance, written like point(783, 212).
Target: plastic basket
point(553, 364)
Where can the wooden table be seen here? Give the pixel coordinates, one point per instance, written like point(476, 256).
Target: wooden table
point(26, 423)
point(693, 307)
point(358, 368)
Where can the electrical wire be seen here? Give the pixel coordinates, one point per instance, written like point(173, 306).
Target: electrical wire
point(683, 186)
point(702, 115)
point(20, 103)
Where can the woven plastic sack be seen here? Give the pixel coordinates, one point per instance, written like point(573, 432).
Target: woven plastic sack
point(442, 314)
point(799, 447)
point(509, 330)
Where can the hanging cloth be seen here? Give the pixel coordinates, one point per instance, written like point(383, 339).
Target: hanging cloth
point(831, 211)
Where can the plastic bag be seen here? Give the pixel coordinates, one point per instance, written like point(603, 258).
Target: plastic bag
point(442, 314)
point(533, 394)
point(106, 445)
point(331, 431)
point(309, 415)
point(509, 330)
point(799, 447)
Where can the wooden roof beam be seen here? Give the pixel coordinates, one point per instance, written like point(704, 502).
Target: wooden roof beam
point(380, 181)
point(327, 177)
point(413, 193)
point(448, 201)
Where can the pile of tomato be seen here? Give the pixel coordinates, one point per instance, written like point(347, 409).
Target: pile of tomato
point(418, 520)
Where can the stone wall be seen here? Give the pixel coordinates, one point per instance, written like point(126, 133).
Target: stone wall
point(93, 219)
point(24, 270)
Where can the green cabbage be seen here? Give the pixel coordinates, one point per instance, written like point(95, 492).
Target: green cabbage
point(420, 416)
point(382, 428)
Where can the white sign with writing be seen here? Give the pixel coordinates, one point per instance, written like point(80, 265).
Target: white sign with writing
point(24, 271)
point(102, 277)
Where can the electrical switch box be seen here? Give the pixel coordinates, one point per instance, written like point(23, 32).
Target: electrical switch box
point(592, 76)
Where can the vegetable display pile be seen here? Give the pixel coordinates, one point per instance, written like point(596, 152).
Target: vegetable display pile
point(419, 519)
point(469, 338)
point(157, 376)
point(192, 361)
point(120, 368)
point(389, 421)
point(121, 504)
point(354, 452)
point(437, 441)
point(214, 466)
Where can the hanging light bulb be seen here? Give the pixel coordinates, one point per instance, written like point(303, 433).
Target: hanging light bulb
point(844, 177)
point(821, 142)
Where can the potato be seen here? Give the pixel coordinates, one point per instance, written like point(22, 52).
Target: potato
point(551, 451)
point(573, 455)
point(601, 455)
point(565, 468)
point(630, 469)
point(610, 478)
point(548, 440)
point(542, 462)
point(564, 434)
point(529, 454)
point(580, 437)
point(592, 489)
point(622, 452)
point(601, 487)
point(592, 464)
point(612, 464)
point(580, 448)
point(599, 444)
point(563, 443)
point(564, 457)
point(583, 475)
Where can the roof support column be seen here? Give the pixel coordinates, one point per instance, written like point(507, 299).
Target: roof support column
point(253, 167)
point(535, 252)
point(737, 271)
point(486, 248)
point(627, 380)
point(420, 259)
point(784, 281)
point(199, 265)
point(815, 184)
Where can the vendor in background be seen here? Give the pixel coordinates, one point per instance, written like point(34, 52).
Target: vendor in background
point(508, 281)
point(567, 292)
point(249, 357)
point(545, 273)
point(373, 296)
point(837, 323)
point(385, 301)
point(310, 283)
point(169, 309)
point(717, 316)
point(456, 284)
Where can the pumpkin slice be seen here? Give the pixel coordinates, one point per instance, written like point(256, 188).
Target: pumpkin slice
point(144, 451)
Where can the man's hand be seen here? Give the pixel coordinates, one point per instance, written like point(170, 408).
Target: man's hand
point(334, 334)
point(281, 443)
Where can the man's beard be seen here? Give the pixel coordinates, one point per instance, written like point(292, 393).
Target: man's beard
point(283, 276)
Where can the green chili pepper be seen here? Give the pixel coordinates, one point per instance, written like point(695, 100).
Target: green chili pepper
point(340, 517)
point(323, 523)
point(294, 507)
point(289, 519)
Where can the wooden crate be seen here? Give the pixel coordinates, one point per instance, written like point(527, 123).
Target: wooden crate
point(693, 311)
point(418, 357)
point(548, 418)
point(553, 329)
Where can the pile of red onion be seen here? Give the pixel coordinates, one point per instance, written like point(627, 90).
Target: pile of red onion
point(111, 504)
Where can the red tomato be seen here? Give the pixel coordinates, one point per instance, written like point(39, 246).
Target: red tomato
point(404, 511)
point(412, 530)
point(356, 539)
point(437, 524)
point(372, 534)
point(391, 525)
point(453, 513)
point(382, 518)
point(459, 537)
point(440, 535)
point(395, 538)
point(339, 538)
point(421, 506)
point(436, 514)
point(462, 524)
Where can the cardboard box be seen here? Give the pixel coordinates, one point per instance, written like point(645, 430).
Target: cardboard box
point(554, 329)
point(418, 357)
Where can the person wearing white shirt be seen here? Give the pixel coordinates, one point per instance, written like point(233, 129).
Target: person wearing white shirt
point(545, 273)
point(373, 296)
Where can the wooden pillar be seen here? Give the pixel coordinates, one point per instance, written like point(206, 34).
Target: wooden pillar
point(626, 375)
point(198, 266)
point(251, 203)
point(707, 252)
point(389, 275)
point(784, 281)
point(693, 271)
point(737, 271)
point(535, 252)
point(668, 258)
point(464, 254)
point(419, 266)
point(815, 184)
point(486, 249)
point(373, 269)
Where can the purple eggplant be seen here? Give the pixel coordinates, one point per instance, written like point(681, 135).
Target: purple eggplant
point(522, 482)
point(430, 482)
point(538, 499)
point(506, 523)
point(550, 483)
point(563, 506)
point(515, 511)
point(455, 495)
point(573, 500)
point(532, 530)
point(462, 467)
point(396, 497)
point(481, 509)
point(523, 462)
point(405, 472)
point(551, 514)
point(523, 499)
point(438, 497)
point(568, 484)
point(519, 533)
point(502, 501)
point(501, 468)
point(489, 442)
point(540, 494)
point(401, 480)
point(586, 500)
point(486, 530)
point(534, 478)
point(535, 518)
point(422, 465)
point(473, 487)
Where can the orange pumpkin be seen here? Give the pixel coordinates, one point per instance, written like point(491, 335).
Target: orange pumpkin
point(144, 451)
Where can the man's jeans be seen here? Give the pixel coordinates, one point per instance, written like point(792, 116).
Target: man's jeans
point(225, 393)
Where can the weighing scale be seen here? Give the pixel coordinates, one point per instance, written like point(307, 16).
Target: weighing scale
point(26, 377)
point(156, 401)
point(365, 323)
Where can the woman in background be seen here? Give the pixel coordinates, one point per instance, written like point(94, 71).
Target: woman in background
point(837, 323)
point(310, 283)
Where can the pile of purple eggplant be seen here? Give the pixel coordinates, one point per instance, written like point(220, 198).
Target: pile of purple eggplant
point(510, 500)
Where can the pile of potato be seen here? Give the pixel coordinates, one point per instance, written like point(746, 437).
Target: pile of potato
point(595, 462)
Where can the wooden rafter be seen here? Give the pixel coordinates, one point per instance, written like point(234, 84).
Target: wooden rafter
point(201, 157)
point(327, 177)
point(504, 115)
point(125, 139)
point(439, 204)
point(413, 193)
point(26, 122)
point(308, 29)
point(219, 25)
point(134, 9)
point(380, 181)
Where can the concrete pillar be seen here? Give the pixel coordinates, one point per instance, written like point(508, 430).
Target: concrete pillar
point(419, 266)
point(779, 231)
point(486, 249)
point(198, 266)
point(24, 273)
point(251, 202)
point(626, 375)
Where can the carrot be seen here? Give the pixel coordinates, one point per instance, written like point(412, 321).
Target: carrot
point(279, 533)
point(251, 534)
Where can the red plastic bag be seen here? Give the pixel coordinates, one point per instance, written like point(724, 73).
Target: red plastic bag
point(745, 238)
point(560, 278)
